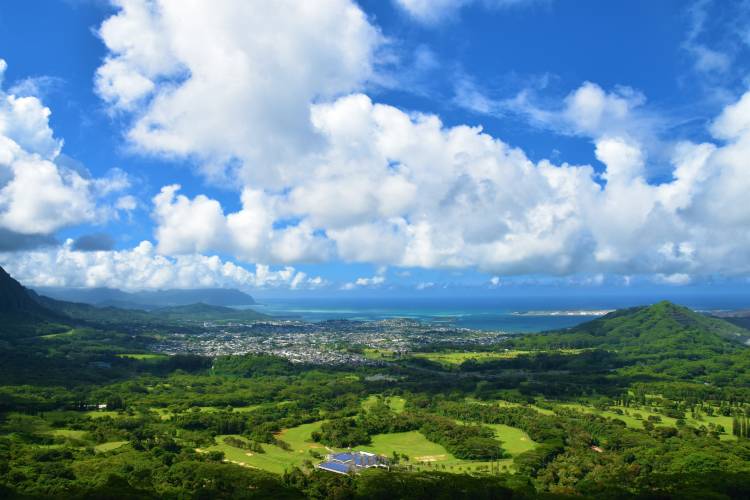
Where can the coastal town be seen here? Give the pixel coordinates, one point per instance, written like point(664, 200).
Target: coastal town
point(334, 342)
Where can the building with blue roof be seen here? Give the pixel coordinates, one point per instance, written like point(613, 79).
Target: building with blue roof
point(352, 462)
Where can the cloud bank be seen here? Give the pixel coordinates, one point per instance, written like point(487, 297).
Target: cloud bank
point(325, 173)
point(143, 268)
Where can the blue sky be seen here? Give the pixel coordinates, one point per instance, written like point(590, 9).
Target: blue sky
point(372, 146)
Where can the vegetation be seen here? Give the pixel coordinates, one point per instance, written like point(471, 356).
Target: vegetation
point(650, 402)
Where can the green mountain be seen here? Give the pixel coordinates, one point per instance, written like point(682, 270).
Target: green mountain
point(149, 299)
point(14, 298)
point(648, 331)
point(21, 315)
point(207, 312)
point(25, 313)
point(117, 316)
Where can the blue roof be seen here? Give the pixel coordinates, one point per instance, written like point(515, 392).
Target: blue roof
point(335, 467)
point(342, 457)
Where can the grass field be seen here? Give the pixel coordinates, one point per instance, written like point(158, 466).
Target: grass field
point(423, 454)
point(455, 358)
point(379, 354)
point(396, 403)
point(508, 404)
point(69, 333)
point(166, 413)
point(102, 414)
point(631, 420)
point(69, 433)
point(142, 357)
point(515, 441)
point(276, 459)
point(105, 447)
point(86, 439)
point(426, 455)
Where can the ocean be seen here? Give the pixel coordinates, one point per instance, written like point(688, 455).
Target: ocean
point(512, 314)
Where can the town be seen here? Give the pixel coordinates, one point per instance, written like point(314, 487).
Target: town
point(328, 342)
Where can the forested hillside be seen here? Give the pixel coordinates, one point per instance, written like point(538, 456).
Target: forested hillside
point(650, 402)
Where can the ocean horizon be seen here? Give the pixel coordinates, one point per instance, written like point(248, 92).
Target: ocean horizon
point(512, 314)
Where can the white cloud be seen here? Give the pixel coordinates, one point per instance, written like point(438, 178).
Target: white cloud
point(230, 83)
point(325, 173)
point(463, 198)
point(126, 203)
point(434, 11)
point(187, 226)
point(143, 268)
point(588, 111)
point(371, 282)
point(38, 193)
point(673, 279)
point(705, 59)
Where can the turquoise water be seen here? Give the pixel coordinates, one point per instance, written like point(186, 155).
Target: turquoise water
point(513, 314)
point(461, 313)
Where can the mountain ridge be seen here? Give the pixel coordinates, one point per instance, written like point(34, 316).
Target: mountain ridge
point(26, 313)
point(149, 299)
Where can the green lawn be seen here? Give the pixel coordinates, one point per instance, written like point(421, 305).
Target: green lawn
point(630, 418)
point(166, 413)
point(396, 403)
point(423, 454)
point(379, 354)
point(455, 358)
point(70, 433)
point(276, 459)
point(69, 333)
point(105, 447)
point(508, 404)
point(515, 441)
point(102, 414)
point(142, 357)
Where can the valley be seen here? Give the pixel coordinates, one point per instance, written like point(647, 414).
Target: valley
point(154, 403)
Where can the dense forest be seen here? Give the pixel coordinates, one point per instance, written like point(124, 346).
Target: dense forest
point(651, 402)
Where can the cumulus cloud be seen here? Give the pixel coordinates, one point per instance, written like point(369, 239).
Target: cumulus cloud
point(326, 173)
point(364, 282)
point(230, 83)
point(414, 193)
point(38, 193)
point(198, 225)
point(143, 268)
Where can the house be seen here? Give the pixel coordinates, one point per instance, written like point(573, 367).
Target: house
point(352, 461)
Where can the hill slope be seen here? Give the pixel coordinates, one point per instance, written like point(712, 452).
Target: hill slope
point(21, 315)
point(648, 331)
point(149, 299)
point(114, 315)
point(14, 298)
point(24, 313)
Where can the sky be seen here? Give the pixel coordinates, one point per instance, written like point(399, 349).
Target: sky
point(354, 147)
